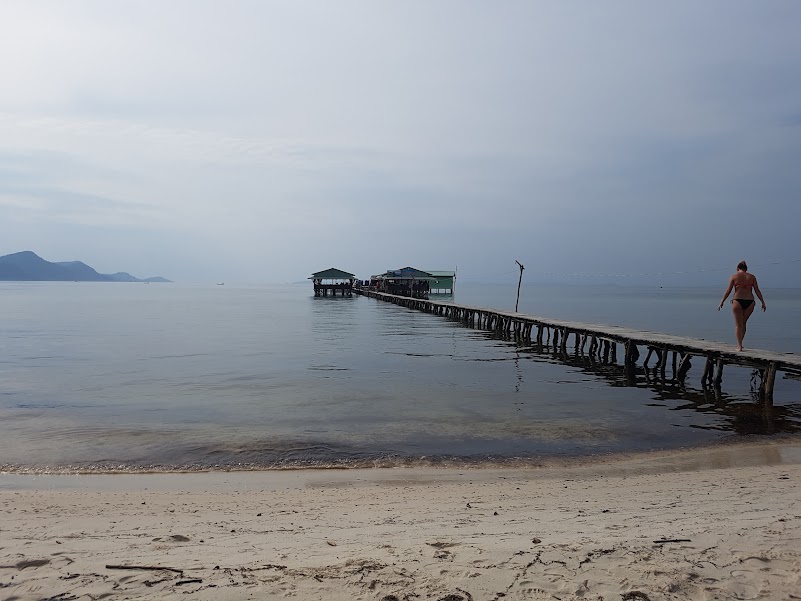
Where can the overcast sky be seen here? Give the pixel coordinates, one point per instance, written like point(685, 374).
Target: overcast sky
point(261, 141)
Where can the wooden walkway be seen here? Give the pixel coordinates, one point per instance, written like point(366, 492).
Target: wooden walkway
point(603, 340)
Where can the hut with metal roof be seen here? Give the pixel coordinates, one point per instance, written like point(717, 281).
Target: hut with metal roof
point(333, 280)
point(406, 281)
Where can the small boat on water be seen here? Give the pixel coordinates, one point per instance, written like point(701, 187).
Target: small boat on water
point(221, 283)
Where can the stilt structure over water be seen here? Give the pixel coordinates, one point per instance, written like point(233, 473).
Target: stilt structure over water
point(445, 281)
point(333, 280)
point(406, 281)
point(611, 342)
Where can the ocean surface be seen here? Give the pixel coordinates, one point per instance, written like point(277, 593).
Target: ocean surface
point(134, 377)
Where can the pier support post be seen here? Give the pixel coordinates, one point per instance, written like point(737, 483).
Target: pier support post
point(631, 354)
point(718, 372)
point(706, 378)
point(684, 367)
point(769, 381)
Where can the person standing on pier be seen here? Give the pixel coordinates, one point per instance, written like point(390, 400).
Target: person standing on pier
point(742, 303)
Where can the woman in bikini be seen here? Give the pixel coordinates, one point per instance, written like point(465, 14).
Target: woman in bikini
point(742, 303)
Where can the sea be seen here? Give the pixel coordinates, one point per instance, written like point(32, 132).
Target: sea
point(128, 377)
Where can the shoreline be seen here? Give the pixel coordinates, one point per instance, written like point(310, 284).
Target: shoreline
point(734, 446)
point(711, 523)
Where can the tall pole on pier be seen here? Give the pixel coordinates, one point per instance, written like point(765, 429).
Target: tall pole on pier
point(519, 281)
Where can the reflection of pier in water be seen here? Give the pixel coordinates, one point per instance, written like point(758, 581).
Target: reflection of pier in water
point(676, 395)
point(594, 346)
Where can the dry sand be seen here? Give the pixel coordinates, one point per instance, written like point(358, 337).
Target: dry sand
point(591, 531)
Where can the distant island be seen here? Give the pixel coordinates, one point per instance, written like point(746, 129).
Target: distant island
point(27, 266)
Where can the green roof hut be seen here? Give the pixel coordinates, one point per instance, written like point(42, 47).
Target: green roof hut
point(406, 281)
point(332, 280)
point(445, 281)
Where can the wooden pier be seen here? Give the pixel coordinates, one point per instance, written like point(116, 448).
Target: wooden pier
point(603, 341)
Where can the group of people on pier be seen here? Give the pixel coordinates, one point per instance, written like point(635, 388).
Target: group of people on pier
point(344, 288)
point(413, 288)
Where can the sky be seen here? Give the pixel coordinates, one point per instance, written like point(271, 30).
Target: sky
point(258, 142)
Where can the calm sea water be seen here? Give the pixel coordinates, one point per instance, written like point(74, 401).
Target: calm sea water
point(98, 376)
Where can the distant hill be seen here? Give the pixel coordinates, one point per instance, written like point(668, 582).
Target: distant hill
point(124, 276)
point(27, 266)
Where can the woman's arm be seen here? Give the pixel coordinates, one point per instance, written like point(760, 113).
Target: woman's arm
point(759, 294)
point(728, 291)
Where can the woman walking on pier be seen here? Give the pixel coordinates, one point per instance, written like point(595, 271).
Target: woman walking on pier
point(742, 303)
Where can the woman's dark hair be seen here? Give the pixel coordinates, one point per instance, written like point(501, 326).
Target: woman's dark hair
point(742, 266)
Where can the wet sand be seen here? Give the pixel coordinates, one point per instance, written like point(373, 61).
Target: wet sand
point(710, 523)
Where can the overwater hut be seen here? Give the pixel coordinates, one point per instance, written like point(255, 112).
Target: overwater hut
point(332, 280)
point(406, 281)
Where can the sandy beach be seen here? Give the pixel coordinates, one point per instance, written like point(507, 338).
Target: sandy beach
point(716, 523)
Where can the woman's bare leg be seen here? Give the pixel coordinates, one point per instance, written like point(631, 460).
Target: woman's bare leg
point(746, 315)
point(739, 323)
